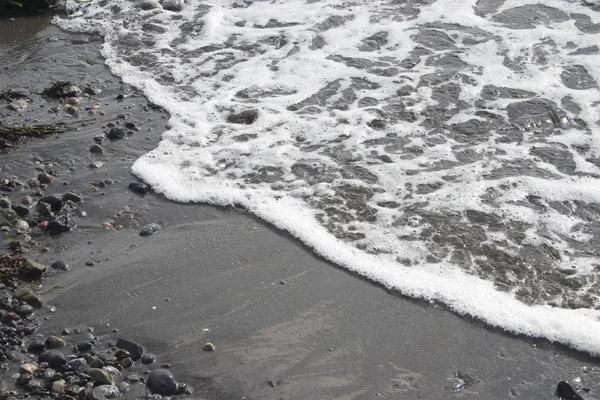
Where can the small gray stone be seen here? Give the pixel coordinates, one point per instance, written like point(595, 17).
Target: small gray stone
point(116, 133)
point(54, 358)
point(74, 197)
point(61, 265)
point(148, 358)
point(172, 5)
point(96, 149)
point(21, 226)
point(149, 229)
point(77, 364)
point(109, 391)
point(24, 310)
point(5, 202)
point(162, 382)
point(135, 350)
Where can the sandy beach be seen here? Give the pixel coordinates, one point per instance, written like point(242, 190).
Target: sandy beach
point(285, 324)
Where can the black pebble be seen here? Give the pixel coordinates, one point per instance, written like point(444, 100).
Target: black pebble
point(148, 358)
point(116, 133)
point(61, 265)
point(566, 392)
point(139, 187)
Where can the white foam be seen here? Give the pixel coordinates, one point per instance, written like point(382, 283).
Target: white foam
point(218, 164)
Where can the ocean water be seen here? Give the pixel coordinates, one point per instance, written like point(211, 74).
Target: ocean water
point(447, 149)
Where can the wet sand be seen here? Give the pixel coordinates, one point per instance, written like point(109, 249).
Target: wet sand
point(286, 324)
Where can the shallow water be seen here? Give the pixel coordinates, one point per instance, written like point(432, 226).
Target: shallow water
point(447, 149)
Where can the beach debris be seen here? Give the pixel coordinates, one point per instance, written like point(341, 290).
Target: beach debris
point(19, 266)
point(66, 218)
point(62, 89)
point(566, 391)
point(11, 136)
point(139, 187)
point(209, 347)
point(135, 350)
point(149, 229)
point(162, 382)
point(246, 117)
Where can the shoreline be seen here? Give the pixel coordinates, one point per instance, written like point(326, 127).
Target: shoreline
point(285, 323)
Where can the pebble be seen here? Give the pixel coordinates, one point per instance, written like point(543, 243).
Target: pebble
point(139, 187)
point(5, 202)
point(209, 347)
point(132, 378)
point(21, 210)
point(148, 359)
point(566, 392)
point(135, 350)
point(54, 201)
point(116, 133)
point(36, 347)
point(45, 178)
point(172, 5)
point(21, 226)
point(108, 391)
point(60, 265)
point(28, 368)
point(58, 386)
point(54, 358)
point(124, 387)
point(83, 346)
point(149, 229)
point(24, 310)
point(162, 382)
point(96, 149)
point(27, 200)
point(78, 365)
point(75, 198)
point(101, 376)
point(54, 342)
point(127, 362)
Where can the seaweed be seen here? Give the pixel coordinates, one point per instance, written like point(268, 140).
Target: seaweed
point(14, 135)
point(11, 267)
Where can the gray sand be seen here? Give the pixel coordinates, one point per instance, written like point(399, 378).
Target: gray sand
point(286, 324)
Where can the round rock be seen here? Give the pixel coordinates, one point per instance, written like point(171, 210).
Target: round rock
point(116, 133)
point(77, 365)
point(162, 382)
point(54, 358)
point(60, 265)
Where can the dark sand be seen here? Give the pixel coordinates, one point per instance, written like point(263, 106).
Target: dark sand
point(286, 324)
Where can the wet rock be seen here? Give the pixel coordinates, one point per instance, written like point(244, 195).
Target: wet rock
point(35, 385)
point(21, 210)
point(148, 359)
point(149, 229)
point(45, 178)
point(54, 201)
point(162, 382)
point(209, 347)
point(246, 117)
point(139, 187)
point(124, 387)
point(577, 77)
point(27, 295)
point(172, 5)
point(77, 365)
point(74, 197)
point(62, 89)
point(36, 347)
point(21, 226)
point(60, 265)
point(44, 209)
point(28, 368)
point(54, 342)
point(135, 350)
point(108, 391)
point(116, 133)
point(132, 378)
point(5, 202)
point(100, 375)
point(566, 392)
point(126, 362)
point(24, 310)
point(65, 219)
point(57, 386)
point(96, 149)
point(83, 346)
point(54, 358)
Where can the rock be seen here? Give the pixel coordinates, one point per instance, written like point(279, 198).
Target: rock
point(24, 310)
point(77, 365)
point(135, 350)
point(113, 371)
point(28, 368)
point(5, 202)
point(32, 270)
point(54, 342)
point(45, 210)
point(18, 356)
point(148, 359)
point(124, 387)
point(209, 347)
point(172, 5)
point(27, 295)
point(21, 210)
point(57, 386)
point(60, 265)
point(83, 346)
point(23, 379)
point(54, 201)
point(27, 200)
point(66, 218)
point(54, 358)
point(35, 385)
point(149, 5)
point(94, 394)
point(149, 229)
point(100, 375)
point(126, 362)
point(116, 133)
point(246, 117)
point(566, 392)
point(162, 382)
point(96, 149)
point(62, 89)
point(49, 374)
point(36, 347)
point(45, 178)
point(139, 187)
point(132, 378)
point(9, 214)
point(108, 391)
point(74, 197)
point(21, 226)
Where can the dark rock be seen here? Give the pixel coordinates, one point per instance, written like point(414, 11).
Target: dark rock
point(148, 359)
point(101, 376)
point(132, 126)
point(566, 392)
point(36, 347)
point(116, 133)
point(108, 391)
point(32, 270)
point(74, 197)
point(149, 229)
point(135, 350)
point(62, 89)
point(90, 263)
point(54, 342)
point(54, 358)
point(27, 295)
point(126, 362)
point(45, 178)
point(139, 187)
point(21, 210)
point(23, 380)
point(77, 365)
point(246, 117)
point(83, 346)
point(66, 218)
point(35, 385)
point(5, 202)
point(24, 310)
point(60, 265)
point(54, 201)
point(162, 382)
point(96, 149)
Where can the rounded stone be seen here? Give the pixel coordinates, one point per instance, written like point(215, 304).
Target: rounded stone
point(24, 310)
point(37, 346)
point(148, 358)
point(54, 342)
point(96, 149)
point(83, 346)
point(54, 358)
point(77, 365)
point(108, 391)
point(126, 362)
point(45, 178)
point(60, 265)
point(116, 133)
point(21, 226)
point(209, 347)
point(58, 386)
point(27, 368)
point(162, 382)
point(5, 202)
